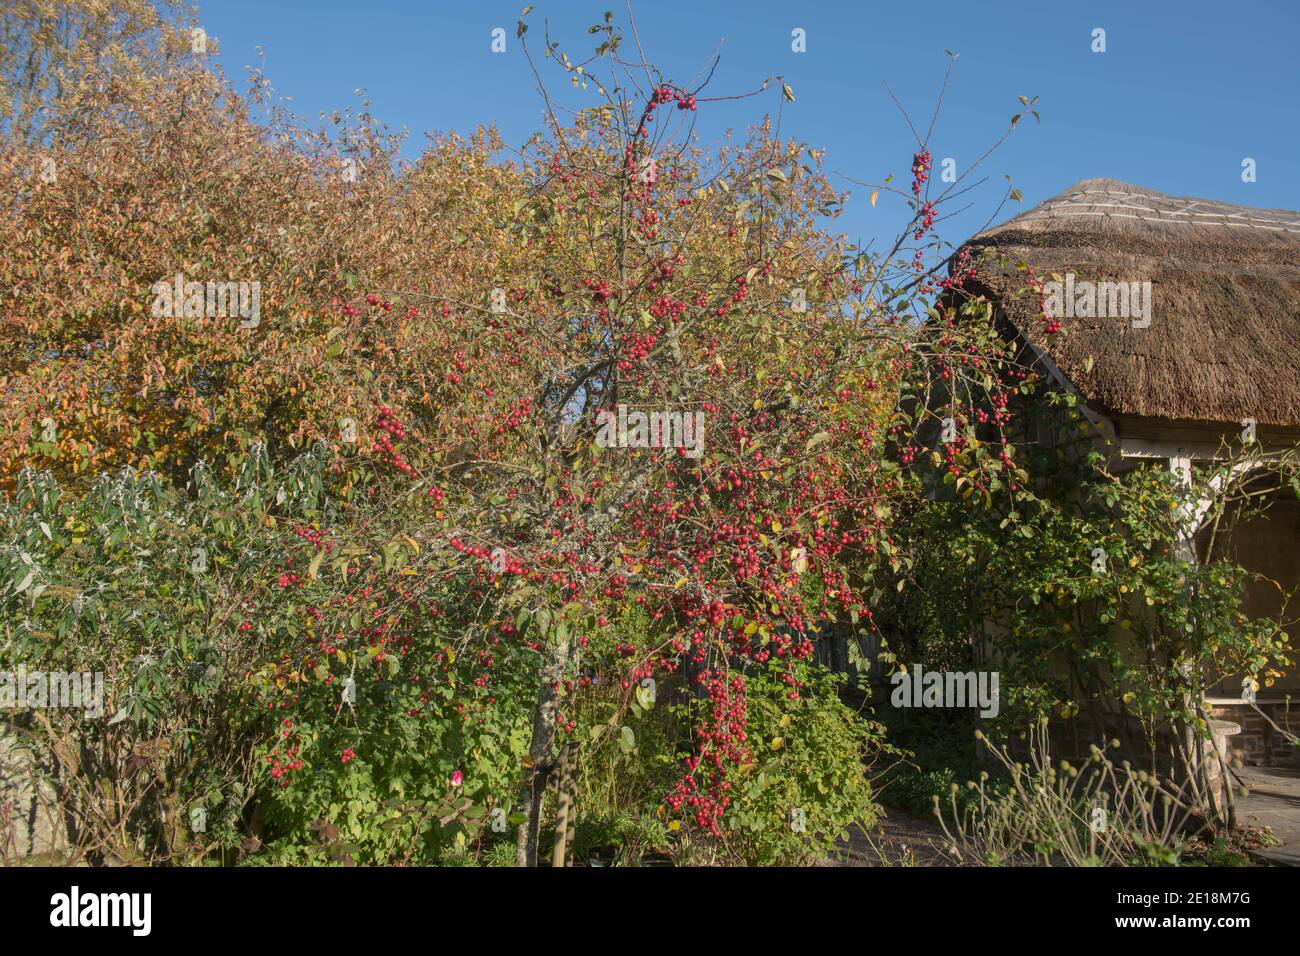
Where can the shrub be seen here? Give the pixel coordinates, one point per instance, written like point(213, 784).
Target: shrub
point(809, 779)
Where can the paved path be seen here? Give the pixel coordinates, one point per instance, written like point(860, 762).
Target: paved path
point(898, 839)
point(1273, 801)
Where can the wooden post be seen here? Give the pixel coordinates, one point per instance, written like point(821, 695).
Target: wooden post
point(565, 819)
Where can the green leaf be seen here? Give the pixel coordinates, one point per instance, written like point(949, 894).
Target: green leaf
point(542, 618)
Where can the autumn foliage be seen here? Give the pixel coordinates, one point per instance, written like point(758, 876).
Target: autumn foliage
point(441, 337)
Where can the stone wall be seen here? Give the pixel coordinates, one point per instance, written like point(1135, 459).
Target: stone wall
point(32, 827)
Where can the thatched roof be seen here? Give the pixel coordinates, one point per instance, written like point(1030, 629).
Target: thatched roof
point(1223, 342)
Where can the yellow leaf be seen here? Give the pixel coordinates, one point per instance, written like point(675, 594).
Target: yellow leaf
point(675, 825)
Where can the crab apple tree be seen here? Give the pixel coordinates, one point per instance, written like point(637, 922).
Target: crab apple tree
point(678, 395)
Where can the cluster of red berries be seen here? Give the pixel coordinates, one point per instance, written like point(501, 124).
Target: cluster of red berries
point(704, 790)
point(636, 346)
point(649, 222)
point(315, 537)
point(386, 444)
point(741, 293)
point(667, 307)
point(666, 94)
point(1001, 414)
point(663, 271)
point(644, 670)
point(564, 723)
point(920, 171)
point(384, 304)
point(952, 451)
point(927, 213)
point(286, 761)
point(518, 413)
point(502, 562)
point(600, 291)
point(962, 270)
point(348, 755)
point(288, 580)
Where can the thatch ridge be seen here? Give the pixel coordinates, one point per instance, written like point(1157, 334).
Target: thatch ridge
point(1223, 343)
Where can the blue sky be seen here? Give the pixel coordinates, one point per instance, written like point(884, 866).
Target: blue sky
point(1184, 92)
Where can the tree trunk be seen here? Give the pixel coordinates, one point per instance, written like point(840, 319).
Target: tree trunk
point(533, 791)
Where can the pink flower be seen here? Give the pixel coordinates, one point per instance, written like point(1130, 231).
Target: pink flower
point(457, 779)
